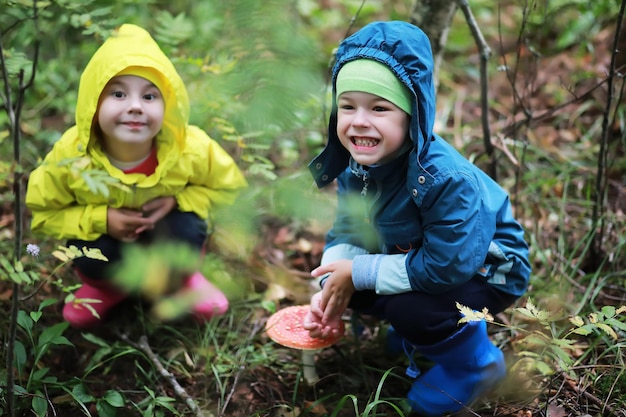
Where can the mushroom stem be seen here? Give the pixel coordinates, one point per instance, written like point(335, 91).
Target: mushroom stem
point(308, 367)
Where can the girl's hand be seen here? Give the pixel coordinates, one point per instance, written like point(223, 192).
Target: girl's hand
point(122, 224)
point(155, 210)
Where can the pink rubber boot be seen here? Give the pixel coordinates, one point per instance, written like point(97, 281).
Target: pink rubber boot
point(93, 300)
point(212, 302)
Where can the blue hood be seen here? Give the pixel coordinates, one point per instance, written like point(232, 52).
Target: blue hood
point(406, 50)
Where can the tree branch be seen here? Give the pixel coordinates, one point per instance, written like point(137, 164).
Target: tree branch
point(485, 54)
point(144, 346)
point(601, 177)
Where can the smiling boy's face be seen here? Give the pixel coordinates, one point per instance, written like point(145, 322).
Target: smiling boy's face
point(371, 128)
point(130, 113)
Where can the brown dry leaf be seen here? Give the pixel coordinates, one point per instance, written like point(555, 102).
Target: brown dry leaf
point(6, 295)
point(317, 409)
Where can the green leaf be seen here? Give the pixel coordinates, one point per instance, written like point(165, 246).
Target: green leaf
point(47, 302)
point(39, 404)
point(81, 394)
point(114, 398)
point(96, 340)
point(562, 355)
point(105, 409)
point(616, 324)
point(269, 306)
point(608, 311)
point(25, 322)
point(584, 331)
point(148, 412)
point(20, 390)
point(40, 374)
point(35, 315)
point(19, 355)
point(53, 335)
point(94, 253)
point(544, 368)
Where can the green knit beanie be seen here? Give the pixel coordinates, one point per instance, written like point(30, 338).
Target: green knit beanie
point(368, 76)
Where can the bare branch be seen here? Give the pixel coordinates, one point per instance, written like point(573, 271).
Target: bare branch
point(601, 177)
point(485, 54)
point(144, 347)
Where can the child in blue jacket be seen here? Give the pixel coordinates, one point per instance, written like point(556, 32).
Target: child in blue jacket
point(418, 227)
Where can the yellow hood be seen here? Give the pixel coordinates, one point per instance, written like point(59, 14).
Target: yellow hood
point(132, 46)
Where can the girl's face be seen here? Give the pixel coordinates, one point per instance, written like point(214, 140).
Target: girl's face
point(130, 112)
point(371, 128)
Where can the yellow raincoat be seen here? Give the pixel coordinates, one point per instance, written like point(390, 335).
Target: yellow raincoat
point(192, 167)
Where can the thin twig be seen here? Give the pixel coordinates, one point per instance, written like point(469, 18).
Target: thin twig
point(601, 175)
point(232, 391)
point(258, 326)
point(331, 62)
point(485, 54)
point(573, 385)
point(13, 111)
point(144, 346)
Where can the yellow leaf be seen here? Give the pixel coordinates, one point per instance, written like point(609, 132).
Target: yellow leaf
point(473, 315)
point(60, 256)
point(608, 330)
point(576, 321)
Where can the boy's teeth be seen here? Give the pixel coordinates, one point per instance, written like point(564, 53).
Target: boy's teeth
point(365, 142)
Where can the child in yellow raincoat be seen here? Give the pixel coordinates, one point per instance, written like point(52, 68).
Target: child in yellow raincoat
point(132, 119)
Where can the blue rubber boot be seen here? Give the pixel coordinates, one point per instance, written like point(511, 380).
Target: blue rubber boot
point(396, 344)
point(467, 365)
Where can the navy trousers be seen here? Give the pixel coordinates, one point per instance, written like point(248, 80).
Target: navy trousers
point(425, 319)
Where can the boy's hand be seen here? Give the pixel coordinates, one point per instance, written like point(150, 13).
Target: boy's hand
point(155, 210)
point(122, 224)
point(338, 289)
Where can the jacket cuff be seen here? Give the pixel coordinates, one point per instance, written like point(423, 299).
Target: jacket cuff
point(365, 270)
point(338, 252)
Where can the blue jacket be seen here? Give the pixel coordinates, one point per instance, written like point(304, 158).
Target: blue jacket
point(429, 220)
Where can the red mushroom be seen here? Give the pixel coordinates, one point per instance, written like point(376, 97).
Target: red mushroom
point(285, 328)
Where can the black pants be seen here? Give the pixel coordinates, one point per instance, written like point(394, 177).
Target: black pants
point(176, 226)
point(425, 319)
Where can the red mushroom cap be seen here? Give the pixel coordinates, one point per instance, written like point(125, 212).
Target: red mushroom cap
point(285, 328)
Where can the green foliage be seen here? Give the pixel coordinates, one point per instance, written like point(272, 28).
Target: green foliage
point(548, 346)
point(155, 270)
point(574, 22)
point(373, 404)
point(156, 405)
point(34, 380)
point(98, 181)
point(14, 271)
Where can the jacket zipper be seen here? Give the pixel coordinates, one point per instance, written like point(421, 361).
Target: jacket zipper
point(366, 183)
